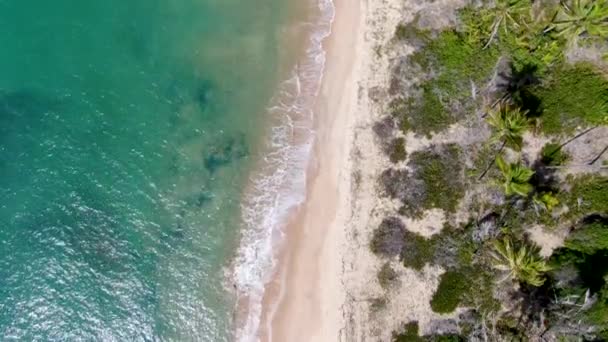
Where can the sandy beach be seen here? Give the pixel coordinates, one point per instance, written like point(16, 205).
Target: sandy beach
point(304, 302)
point(326, 279)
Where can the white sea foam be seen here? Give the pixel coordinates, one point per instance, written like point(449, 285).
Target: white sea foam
point(279, 185)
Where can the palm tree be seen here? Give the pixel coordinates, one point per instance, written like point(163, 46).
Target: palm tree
point(516, 177)
point(544, 201)
point(508, 15)
point(581, 18)
point(523, 264)
point(509, 126)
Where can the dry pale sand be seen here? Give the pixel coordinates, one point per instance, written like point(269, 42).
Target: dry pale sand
point(304, 301)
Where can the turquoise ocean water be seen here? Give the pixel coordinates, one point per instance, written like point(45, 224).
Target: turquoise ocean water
point(126, 134)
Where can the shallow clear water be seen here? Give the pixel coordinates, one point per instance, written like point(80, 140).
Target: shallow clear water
point(126, 134)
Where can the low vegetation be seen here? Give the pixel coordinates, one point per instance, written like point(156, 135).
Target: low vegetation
point(505, 66)
point(410, 333)
point(553, 155)
point(571, 96)
point(387, 276)
point(452, 287)
point(417, 251)
point(436, 180)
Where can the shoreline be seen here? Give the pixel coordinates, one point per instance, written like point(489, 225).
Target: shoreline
point(278, 184)
point(303, 301)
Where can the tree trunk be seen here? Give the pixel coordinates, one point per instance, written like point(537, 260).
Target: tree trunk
point(493, 160)
point(576, 137)
point(599, 155)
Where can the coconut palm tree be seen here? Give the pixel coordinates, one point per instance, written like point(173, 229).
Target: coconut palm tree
point(507, 15)
point(516, 177)
point(509, 126)
point(581, 18)
point(523, 264)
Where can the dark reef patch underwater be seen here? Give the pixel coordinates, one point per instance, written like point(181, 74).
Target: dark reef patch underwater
point(126, 131)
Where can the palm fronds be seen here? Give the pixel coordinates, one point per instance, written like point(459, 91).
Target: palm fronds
point(509, 125)
point(523, 264)
point(581, 19)
point(507, 15)
point(516, 177)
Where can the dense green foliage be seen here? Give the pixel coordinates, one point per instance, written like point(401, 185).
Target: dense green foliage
point(571, 96)
point(452, 287)
point(456, 65)
point(588, 195)
point(533, 88)
point(409, 334)
point(590, 239)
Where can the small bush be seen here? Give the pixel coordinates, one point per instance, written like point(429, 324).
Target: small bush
point(440, 169)
point(387, 239)
point(394, 182)
point(452, 287)
point(410, 32)
point(417, 250)
point(552, 155)
point(409, 334)
point(387, 276)
point(396, 150)
point(429, 115)
point(445, 338)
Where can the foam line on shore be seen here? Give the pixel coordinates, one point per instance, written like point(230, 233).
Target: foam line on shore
point(279, 184)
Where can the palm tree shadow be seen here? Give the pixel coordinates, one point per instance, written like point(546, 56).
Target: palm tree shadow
point(517, 86)
point(545, 178)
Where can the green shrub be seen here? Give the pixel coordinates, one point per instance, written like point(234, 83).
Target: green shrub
point(445, 338)
point(552, 155)
point(441, 171)
point(589, 239)
point(589, 194)
point(572, 96)
point(586, 249)
point(397, 151)
point(454, 64)
point(598, 313)
point(409, 334)
point(426, 115)
point(452, 287)
point(417, 250)
point(459, 62)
